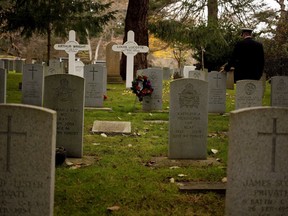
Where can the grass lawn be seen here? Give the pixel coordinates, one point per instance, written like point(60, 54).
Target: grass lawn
point(119, 170)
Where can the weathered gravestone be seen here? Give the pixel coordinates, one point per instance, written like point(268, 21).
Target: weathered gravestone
point(3, 82)
point(11, 65)
point(188, 119)
point(167, 73)
point(279, 91)
point(257, 162)
point(153, 102)
point(248, 93)
point(79, 68)
point(186, 69)
point(32, 84)
point(55, 67)
point(27, 155)
point(94, 85)
point(197, 74)
point(130, 48)
point(216, 92)
point(2, 65)
point(113, 64)
point(64, 93)
point(19, 65)
point(71, 47)
point(230, 80)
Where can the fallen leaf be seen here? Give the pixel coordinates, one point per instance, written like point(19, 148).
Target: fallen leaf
point(214, 151)
point(224, 180)
point(103, 135)
point(96, 144)
point(172, 180)
point(113, 208)
point(174, 167)
point(181, 175)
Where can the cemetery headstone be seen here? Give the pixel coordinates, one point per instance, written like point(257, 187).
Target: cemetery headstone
point(27, 155)
point(196, 74)
point(216, 92)
point(188, 119)
point(248, 93)
point(263, 79)
point(230, 80)
point(71, 47)
point(279, 91)
point(55, 67)
point(64, 93)
point(19, 65)
point(167, 73)
point(153, 102)
point(257, 162)
point(2, 64)
point(32, 84)
point(3, 82)
point(94, 85)
point(113, 64)
point(79, 68)
point(186, 69)
point(11, 65)
point(130, 48)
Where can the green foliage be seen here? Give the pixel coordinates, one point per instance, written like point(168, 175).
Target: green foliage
point(58, 16)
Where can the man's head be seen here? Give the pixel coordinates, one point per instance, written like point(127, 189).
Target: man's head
point(246, 32)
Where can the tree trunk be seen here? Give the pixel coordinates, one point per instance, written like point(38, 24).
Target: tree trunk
point(136, 20)
point(213, 13)
point(282, 25)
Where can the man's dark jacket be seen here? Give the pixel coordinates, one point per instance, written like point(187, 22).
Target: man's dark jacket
point(247, 59)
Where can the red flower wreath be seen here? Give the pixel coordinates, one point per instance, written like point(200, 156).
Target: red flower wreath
point(141, 86)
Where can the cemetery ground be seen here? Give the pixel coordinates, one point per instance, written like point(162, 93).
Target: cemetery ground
point(129, 174)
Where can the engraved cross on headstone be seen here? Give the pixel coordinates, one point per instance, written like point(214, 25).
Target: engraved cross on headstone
point(274, 135)
point(71, 47)
point(217, 79)
point(93, 71)
point(32, 70)
point(9, 134)
point(130, 48)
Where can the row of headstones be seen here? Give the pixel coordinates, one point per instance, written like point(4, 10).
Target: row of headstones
point(257, 165)
point(258, 137)
point(35, 74)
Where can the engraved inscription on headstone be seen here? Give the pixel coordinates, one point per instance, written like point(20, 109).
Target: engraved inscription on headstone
point(257, 162)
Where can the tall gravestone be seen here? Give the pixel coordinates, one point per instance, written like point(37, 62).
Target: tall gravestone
point(2, 65)
point(27, 155)
point(113, 64)
point(257, 162)
point(188, 119)
point(153, 102)
point(130, 48)
point(230, 80)
point(3, 82)
point(279, 91)
point(216, 92)
point(248, 93)
point(94, 85)
point(64, 93)
point(167, 73)
point(32, 84)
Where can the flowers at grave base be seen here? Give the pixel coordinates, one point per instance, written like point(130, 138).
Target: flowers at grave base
point(141, 86)
point(105, 97)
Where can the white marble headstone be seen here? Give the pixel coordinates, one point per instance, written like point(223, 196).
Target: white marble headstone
point(257, 162)
point(279, 91)
point(216, 92)
point(188, 119)
point(64, 93)
point(248, 93)
point(32, 84)
point(27, 155)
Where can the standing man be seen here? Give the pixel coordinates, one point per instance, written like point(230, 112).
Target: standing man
point(247, 58)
